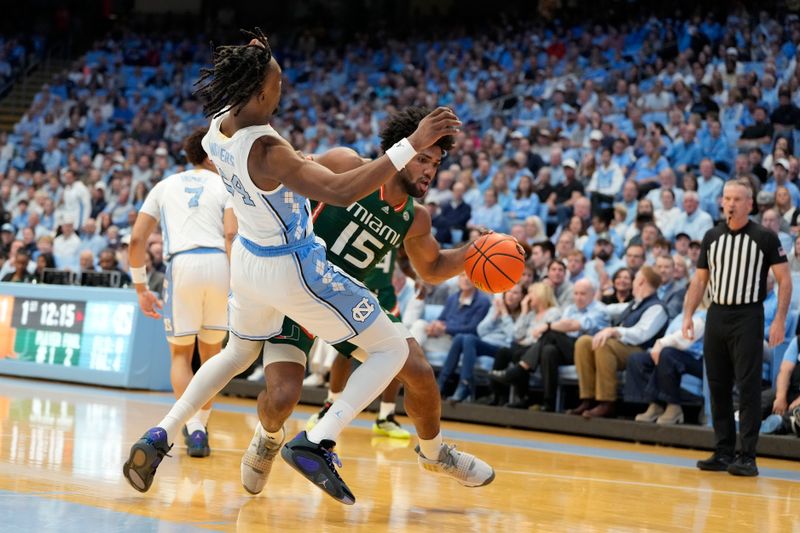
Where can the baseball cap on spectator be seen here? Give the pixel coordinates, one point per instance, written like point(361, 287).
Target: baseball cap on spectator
point(596, 135)
point(100, 185)
point(569, 163)
point(782, 162)
point(544, 133)
point(161, 151)
point(682, 235)
point(516, 134)
point(732, 52)
point(67, 219)
point(126, 240)
point(765, 198)
point(8, 227)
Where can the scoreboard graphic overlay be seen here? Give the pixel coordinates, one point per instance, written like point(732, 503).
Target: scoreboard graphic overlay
point(80, 329)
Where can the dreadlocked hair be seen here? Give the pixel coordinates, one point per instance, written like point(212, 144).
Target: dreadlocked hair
point(403, 124)
point(237, 74)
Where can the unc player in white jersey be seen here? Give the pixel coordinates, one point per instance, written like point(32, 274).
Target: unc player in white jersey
point(189, 206)
point(279, 268)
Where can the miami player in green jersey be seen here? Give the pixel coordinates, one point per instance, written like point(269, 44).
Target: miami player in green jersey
point(357, 238)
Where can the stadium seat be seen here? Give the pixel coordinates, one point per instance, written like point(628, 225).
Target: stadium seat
point(432, 312)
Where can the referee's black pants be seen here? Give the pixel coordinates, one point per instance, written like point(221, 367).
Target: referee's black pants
point(734, 352)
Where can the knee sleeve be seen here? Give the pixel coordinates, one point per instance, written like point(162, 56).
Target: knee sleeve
point(183, 340)
point(211, 336)
point(240, 353)
point(383, 339)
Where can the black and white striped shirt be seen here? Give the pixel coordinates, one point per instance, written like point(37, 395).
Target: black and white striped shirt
point(739, 261)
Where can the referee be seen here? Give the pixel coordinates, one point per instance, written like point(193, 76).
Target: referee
point(735, 258)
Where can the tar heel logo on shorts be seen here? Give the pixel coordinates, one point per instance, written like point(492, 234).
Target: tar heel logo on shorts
point(362, 310)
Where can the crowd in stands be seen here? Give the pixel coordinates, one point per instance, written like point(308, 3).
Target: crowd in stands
point(604, 149)
point(16, 53)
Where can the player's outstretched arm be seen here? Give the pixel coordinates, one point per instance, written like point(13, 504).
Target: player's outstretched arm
point(145, 225)
point(433, 264)
point(276, 161)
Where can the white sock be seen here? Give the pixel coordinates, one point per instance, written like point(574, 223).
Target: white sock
point(387, 355)
point(430, 448)
point(333, 396)
point(276, 436)
point(194, 424)
point(202, 416)
point(210, 378)
point(387, 408)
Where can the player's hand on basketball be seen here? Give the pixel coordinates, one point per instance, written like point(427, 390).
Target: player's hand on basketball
point(688, 328)
point(779, 406)
point(776, 333)
point(148, 303)
point(438, 123)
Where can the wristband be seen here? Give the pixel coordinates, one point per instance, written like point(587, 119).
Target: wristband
point(401, 153)
point(139, 274)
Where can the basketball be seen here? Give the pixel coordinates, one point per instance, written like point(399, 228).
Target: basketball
point(494, 262)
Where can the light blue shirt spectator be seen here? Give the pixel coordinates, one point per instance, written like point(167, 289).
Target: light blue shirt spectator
point(611, 267)
point(607, 179)
point(693, 222)
point(676, 324)
point(495, 329)
point(709, 189)
point(655, 197)
point(489, 215)
point(52, 160)
point(645, 169)
point(686, 154)
point(771, 186)
point(717, 148)
point(592, 318)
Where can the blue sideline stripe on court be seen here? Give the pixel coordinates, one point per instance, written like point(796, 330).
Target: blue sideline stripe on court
point(529, 444)
point(34, 512)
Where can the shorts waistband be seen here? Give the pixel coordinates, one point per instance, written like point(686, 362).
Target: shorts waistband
point(198, 250)
point(736, 307)
point(275, 251)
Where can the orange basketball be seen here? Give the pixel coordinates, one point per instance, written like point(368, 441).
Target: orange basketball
point(494, 262)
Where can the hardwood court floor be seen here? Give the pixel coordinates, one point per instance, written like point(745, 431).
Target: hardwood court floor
point(62, 447)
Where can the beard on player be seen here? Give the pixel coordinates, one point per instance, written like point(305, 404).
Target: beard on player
point(416, 188)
